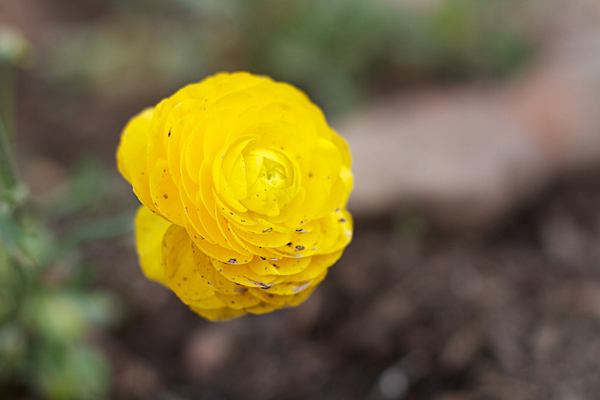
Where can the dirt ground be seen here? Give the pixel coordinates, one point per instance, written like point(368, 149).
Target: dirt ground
point(408, 313)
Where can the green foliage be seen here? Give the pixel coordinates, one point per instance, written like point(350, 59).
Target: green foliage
point(474, 35)
point(43, 323)
point(338, 51)
point(47, 311)
point(71, 372)
point(83, 189)
point(14, 47)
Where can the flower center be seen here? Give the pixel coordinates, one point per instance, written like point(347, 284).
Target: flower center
point(275, 173)
point(270, 179)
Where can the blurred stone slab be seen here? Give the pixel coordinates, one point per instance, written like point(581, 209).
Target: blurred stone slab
point(470, 154)
point(558, 101)
point(456, 153)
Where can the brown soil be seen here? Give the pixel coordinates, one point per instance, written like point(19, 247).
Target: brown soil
point(509, 314)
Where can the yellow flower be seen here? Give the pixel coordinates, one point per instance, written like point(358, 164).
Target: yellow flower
point(244, 189)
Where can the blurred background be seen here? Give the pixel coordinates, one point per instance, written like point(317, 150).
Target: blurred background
point(474, 273)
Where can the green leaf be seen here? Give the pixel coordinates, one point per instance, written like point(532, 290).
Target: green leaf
point(58, 317)
point(85, 189)
point(13, 349)
point(8, 169)
point(74, 372)
point(14, 47)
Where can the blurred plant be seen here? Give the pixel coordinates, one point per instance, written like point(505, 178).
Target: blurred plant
point(338, 51)
point(14, 50)
point(46, 312)
point(471, 37)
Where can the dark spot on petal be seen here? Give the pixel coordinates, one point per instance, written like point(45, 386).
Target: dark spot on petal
point(165, 196)
point(299, 248)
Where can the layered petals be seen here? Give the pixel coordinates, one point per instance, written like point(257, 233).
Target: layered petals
point(243, 188)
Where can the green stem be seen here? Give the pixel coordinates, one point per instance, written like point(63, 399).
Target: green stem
point(8, 170)
point(7, 98)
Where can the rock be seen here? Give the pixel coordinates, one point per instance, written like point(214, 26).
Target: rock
point(469, 155)
point(456, 153)
point(557, 102)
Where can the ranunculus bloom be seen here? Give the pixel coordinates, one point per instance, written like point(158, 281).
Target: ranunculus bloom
point(244, 188)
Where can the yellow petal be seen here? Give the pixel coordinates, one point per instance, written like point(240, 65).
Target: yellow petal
point(131, 156)
point(293, 299)
point(262, 308)
point(268, 238)
point(165, 194)
point(181, 271)
point(318, 265)
point(239, 301)
point(291, 265)
point(243, 275)
point(211, 302)
point(244, 187)
point(207, 271)
point(218, 314)
point(149, 232)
